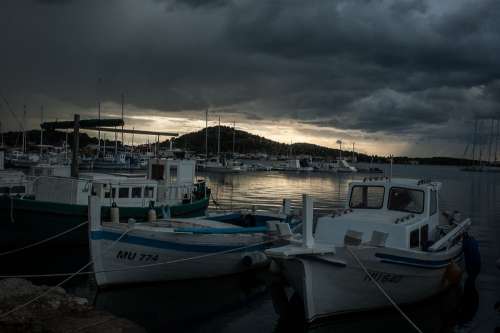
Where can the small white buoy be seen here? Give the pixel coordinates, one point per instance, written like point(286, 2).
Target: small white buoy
point(115, 213)
point(151, 215)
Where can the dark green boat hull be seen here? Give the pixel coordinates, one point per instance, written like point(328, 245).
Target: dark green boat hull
point(25, 221)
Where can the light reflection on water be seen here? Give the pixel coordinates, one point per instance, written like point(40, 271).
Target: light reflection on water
point(231, 305)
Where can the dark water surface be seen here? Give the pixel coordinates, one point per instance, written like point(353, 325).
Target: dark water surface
point(243, 303)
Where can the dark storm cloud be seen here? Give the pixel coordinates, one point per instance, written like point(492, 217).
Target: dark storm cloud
point(409, 67)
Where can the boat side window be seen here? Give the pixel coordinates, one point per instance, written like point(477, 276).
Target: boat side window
point(4, 190)
point(136, 192)
point(157, 171)
point(433, 208)
point(415, 238)
point(113, 192)
point(173, 174)
point(123, 192)
point(18, 189)
point(148, 191)
point(368, 197)
point(406, 200)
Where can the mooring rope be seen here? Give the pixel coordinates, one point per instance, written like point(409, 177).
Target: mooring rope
point(12, 209)
point(140, 266)
point(43, 240)
point(383, 291)
point(34, 299)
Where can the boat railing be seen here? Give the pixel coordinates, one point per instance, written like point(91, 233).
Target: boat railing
point(176, 192)
point(451, 236)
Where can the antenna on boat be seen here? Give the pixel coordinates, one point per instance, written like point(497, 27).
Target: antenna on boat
point(392, 160)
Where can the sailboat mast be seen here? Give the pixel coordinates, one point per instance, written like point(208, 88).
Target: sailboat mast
point(123, 102)
point(474, 142)
point(490, 140)
point(352, 152)
point(480, 142)
point(496, 140)
point(24, 128)
point(41, 130)
point(234, 137)
point(133, 128)
point(206, 134)
point(99, 114)
point(218, 142)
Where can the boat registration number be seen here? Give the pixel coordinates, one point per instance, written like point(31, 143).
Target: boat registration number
point(383, 277)
point(129, 255)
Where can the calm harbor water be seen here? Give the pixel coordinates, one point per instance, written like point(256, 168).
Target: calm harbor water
point(243, 303)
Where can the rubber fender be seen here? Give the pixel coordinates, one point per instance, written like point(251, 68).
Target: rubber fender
point(453, 273)
point(472, 256)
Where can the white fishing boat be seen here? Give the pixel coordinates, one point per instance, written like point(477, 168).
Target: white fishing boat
point(214, 165)
point(391, 235)
point(13, 182)
point(173, 249)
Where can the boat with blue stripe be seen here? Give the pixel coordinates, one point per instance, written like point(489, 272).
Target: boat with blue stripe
point(181, 248)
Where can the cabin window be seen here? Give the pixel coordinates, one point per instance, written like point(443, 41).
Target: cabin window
point(136, 192)
point(157, 171)
point(106, 194)
point(148, 191)
point(123, 192)
point(433, 207)
point(173, 174)
point(371, 197)
point(4, 190)
point(18, 189)
point(415, 238)
point(406, 200)
point(113, 192)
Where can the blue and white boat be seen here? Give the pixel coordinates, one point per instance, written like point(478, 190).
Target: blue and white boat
point(175, 249)
point(391, 235)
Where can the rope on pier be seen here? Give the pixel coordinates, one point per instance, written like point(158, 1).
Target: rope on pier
point(383, 291)
point(34, 299)
point(43, 240)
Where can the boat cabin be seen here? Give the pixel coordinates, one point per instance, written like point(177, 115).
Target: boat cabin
point(398, 213)
point(168, 182)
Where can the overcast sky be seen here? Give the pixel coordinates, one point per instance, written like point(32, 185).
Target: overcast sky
point(402, 76)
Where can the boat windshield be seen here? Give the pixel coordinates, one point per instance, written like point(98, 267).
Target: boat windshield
point(367, 197)
point(406, 200)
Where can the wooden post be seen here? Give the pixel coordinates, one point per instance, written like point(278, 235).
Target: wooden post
point(307, 220)
point(76, 146)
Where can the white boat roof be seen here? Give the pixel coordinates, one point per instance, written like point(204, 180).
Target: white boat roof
point(104, 177)
point(398, 182)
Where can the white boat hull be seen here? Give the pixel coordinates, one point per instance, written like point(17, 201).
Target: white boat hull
point(336, 284)
point(143, 256)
